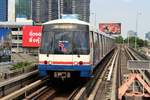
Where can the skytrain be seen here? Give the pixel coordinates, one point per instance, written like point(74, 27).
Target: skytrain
point(71, 48)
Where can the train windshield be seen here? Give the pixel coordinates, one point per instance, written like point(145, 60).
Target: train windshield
point(65, 39)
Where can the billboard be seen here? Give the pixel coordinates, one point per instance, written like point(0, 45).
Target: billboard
point(31, 36)
point(110, 28)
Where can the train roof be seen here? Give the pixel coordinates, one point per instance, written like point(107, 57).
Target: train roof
point(76, 21)
point(73, 21)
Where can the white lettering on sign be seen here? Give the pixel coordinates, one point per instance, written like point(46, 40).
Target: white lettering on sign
point(34, 40)
point(31, 33)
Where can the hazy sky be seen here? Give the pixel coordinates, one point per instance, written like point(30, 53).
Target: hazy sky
point(125, 12)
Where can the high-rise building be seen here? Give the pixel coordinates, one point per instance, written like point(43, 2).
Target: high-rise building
point(19, 9)
point(82, 8)
point(45, 10)
point(23, 8)
point(79, 7)
point(11, 10)
point(67, 6)
point(3, 10)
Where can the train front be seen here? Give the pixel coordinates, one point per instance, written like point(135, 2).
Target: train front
point(65, 50)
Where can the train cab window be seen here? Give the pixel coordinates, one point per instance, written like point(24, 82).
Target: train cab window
point(65, 39)
point(81, 42)
point(63, 43)
point(47, 42)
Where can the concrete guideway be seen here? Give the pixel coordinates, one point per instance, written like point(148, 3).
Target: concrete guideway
point(108, 73)
point(105, 85)
point(117, 80)
point(10, 85)
point(88, 91)
point(21, 91)
point(12, 80)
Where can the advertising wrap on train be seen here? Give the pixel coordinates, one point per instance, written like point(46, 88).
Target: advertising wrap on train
point(31, 36)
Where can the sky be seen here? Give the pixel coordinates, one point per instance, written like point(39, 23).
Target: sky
point(124, 12)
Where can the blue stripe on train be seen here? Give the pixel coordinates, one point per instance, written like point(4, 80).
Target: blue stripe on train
point(85, 70)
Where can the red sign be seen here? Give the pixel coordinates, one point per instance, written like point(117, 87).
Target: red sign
point(31, 36)
point(110, 28)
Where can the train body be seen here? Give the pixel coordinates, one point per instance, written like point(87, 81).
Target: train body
point(71, 48)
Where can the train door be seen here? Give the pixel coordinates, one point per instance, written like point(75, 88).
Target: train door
point(100, 45)
point(106, 45)
point(91, 47)
point(103, 43)
point(81, 48)
point(96, 48)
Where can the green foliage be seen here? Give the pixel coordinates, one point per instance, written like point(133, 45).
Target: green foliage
point(119, 39)
point(20, 65)
point(139, 42)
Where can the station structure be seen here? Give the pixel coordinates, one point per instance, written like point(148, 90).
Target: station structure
point(16, 36)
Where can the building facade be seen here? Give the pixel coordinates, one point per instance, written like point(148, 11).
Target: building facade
point(82, 8)
point(11, 10)
point(16, 40)
point(3, 10)
point(79, 7)
point(45, 10)
point(19, 9)
point(23, 8)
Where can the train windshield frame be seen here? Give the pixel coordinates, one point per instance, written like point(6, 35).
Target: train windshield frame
point(65, 39)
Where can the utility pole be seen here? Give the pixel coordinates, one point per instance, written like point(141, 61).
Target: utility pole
point(128, 40)
point(137, 18)
point(94, 18)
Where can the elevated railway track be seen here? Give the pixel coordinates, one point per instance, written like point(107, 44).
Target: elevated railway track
point(110, 74)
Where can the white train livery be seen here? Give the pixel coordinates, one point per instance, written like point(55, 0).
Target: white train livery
point(71, 48)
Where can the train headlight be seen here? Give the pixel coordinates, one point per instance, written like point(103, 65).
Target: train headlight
point(50, 62)
point(80, 62)
point(45, 62)
point(76, 63)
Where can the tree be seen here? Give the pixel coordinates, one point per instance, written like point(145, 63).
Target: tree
point(119, 39)
point(140, 42)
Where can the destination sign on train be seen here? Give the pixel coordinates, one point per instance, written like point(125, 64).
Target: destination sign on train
point(64, 26)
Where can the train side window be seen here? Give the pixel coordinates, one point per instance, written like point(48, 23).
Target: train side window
point(98, 46)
